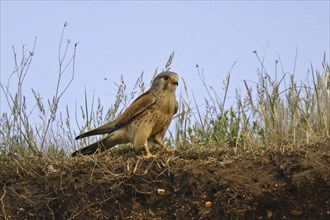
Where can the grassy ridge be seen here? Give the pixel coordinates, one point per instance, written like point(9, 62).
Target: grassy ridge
point(219, 146)
point(273, 112)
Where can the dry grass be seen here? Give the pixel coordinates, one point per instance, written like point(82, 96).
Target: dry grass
point(279, 114)
point(274, 112)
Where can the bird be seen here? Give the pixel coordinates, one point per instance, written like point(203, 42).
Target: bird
point(144, 122)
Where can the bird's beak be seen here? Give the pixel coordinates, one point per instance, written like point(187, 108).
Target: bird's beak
point(175, 80)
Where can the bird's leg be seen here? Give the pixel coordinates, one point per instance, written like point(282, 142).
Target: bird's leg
point(149, 154)
point(168, 150)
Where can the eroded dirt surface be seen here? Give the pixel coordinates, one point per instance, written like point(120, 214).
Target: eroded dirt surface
point(194, 184)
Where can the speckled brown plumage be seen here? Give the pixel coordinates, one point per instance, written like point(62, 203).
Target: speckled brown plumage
point(145, 121)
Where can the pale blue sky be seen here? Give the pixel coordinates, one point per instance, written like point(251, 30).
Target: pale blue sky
point(130, 37)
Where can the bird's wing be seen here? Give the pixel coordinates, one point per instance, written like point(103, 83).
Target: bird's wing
point(141, 103)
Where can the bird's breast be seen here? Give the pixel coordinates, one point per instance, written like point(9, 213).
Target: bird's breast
point(154, 119)
point(167, 104)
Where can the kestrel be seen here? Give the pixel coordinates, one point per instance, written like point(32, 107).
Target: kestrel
point(145, 121)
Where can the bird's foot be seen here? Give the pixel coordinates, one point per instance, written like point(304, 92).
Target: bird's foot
point(150, 155)
point(169, 150)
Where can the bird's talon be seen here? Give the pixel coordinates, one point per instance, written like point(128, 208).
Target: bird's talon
point(170, 151)
point(149, 156)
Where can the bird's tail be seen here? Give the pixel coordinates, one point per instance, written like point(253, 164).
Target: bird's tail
point(106, 143)
point(90, 149)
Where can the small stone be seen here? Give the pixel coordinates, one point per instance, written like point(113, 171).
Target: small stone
point(208, 204)
point(269, 214)
point(161, 192)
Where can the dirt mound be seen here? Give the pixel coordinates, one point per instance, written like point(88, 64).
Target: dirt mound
point(204, 184)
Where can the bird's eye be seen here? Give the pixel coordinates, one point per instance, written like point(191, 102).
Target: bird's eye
point(166, 77)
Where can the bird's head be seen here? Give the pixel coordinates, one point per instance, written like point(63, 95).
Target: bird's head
point(166, 81)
